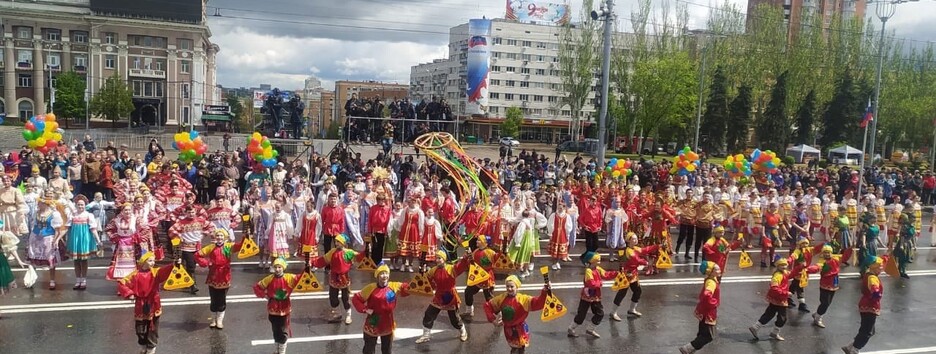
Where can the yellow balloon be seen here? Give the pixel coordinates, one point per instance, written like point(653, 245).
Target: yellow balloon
point(776, 161)
point(267, 154)
point(47, 135)
point(616, 174)
point(256, 136)
point(690, 167)
point(57, 137)
point(31, 144)
point(40, 141)
point(50, 117)
point(739, 157)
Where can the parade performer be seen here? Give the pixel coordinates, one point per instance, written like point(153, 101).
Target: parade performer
point(485, 258)
point(142, 286)
point(339, 260)
point(828, 267)
point(841, 226)
point(756, 222)
point(633, 257)
point(431, 237)
point(615, 220)
point(903, 246)
point(13, 208)
point(392, 245)
point(190, 231)
point(445, 298)
point(867, 241)
point(217, 257)
point(98, 208)
point(893, 222)
point(122, 231)
point(525, 243)
point(379, 300)
point(704, 216)
point(770, 236)
point(716, 248)
point(591, 294)
point(147, 221)
point(816, 217)
point(777, 297)
point(83, 240)
point(687, 213)
point(378, 222)
point(801, 258)
point(333, 221)
point(222, 215)
point(279, 233)
point(589, 211)
point(310, 232)
point(276, 289)
point(559, 226)
point(707, 308)
point(448, 212)
point(661, 217)
point(411, 225)
point(869, 306)
point(44, 237)
point(511, 309)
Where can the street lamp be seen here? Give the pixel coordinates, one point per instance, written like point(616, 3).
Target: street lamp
point(607, 15)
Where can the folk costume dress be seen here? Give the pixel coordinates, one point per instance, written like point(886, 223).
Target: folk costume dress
point(122, 231)
point(13, 210)
point(82, 240)
point(310, 233)
point(411, 227)
point(431, 238)
point(616, 222)
point(144, 285)
point(279, 234)
point(514, 311)
point(525, 241)
point(41, 250)
point(559, 226)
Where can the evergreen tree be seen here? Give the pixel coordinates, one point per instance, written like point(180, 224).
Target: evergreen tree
point(715, 119)
point(773, 127)
point(805, 118)
point(739, 117)
point(841, 116)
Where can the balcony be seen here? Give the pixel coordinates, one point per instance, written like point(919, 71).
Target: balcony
point(81, 68)
point(155, 74)
point(24, 65)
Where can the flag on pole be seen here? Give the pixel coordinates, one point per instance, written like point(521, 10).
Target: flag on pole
point(868, 115)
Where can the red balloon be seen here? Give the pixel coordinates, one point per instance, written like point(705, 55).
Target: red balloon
point(51, 143)
point(30, 126)
point(201, 149)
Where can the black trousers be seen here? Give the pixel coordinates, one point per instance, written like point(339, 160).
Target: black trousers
point(635, 297)
point(701, 235)
point(202, 196)
point(795, 289)
point(432, 313)
point(188, 261)
point(686, 231)
point(825, 299)
point(449, 242)
point(705, 335)
point(866, 330)
point(370, 344)
point(471, 291)
point(218, 299)
point(377, 247)
point(591, 240)
point(278, 324)
point(333, 297)
point(327, 243)
point(596, 309)
point(147, 332)
point(774, 310)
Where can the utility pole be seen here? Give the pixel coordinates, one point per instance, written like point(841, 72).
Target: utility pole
point(698, 121)
point(607, 15)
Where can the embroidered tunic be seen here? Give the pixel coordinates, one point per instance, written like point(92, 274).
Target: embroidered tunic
point(382, 301)
point(514, 311)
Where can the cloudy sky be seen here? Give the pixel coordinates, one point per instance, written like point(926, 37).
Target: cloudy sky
point(283, 44)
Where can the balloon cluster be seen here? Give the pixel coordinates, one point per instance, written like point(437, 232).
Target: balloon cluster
point(765, 161)
point(736, 166)
point(262, 151)
point(42, 133)
point(191, 146)
point(685, 163)
point(618, 168)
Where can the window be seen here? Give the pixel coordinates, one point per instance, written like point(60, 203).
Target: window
point(511, 56)
point(25, 109)
point(52, 60)
point(511, 69)
point(24, 56)
point(23, 32)
point(2, 107)
point(495, 54)
point(554, 72)
point(110, 38)
point(524, 84)
point(553, 99)
point(52, 34)
point(80, 36)
point(537, 111)
point(541, 45)
point(525, 71)
point(51, 81)
point(554, 87)
point(495, 95)
point(509, 96)
point(185, 115)
point(495, 68)
point(526, 57)
point(148, 63)
point(110, 61)
point(185, 44)
point(148, 88)
point(25, 80)
point(524, 98)
point(537, 98)
point(497, 40)
point(186, 66)
point(527, 43)
point(494, 109)
point(540, 71)
point(81, 62)
point(137, 88)
point(147, 41)
point(510, 83)
point(553, 112)
point(511, 42)
point(539, 85)
point(185, 91)
point(495, 82)
point(540, 58)
point(566, 112)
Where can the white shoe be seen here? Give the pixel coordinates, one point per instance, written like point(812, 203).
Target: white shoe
point(753, 330)
point(426, 336)
point(850, 349)
point(817, 320)
point(615, 317)
point(463, 334)
point(214, 321)
point(220, 324)
point(347, 319)
point(555, 266)
point(686, 349)
point(409, 269)
point(592, 333)
point(775, 334)
point(558, 266)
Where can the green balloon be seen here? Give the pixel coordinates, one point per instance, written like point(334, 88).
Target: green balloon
point(275, 153)
point(27, 134)
point(265, 144)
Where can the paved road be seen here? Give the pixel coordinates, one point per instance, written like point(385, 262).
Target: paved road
point(96, 321)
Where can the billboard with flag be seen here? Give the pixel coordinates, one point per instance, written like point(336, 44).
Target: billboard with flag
point(537, 12)
point(868, 116)
point(479, 65)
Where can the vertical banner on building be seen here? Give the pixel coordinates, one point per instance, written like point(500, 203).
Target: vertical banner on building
point(479, 65)
point(258, 97)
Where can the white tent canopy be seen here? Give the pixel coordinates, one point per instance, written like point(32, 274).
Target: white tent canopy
point(801, 152)
point(845, 154)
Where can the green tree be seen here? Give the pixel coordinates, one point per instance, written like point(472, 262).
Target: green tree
point(739, 118)
point(577, 62)
point(69, 97)
point(237, 110)
point(512, 122)
point(715, 119)
point(773, 127)
point(841, 115)
point(114, 100)
point(805, 118)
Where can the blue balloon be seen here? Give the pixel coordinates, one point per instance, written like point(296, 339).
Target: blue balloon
point(40, 126)
point(193, 134)
point(614, 161)
point(174, 146)
point(755, 154)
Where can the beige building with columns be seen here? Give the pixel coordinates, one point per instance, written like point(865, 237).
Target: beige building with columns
point(164, 56)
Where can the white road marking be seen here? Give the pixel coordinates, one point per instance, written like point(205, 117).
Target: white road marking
point(203, 300)
point(398, 334)
point(904, 351)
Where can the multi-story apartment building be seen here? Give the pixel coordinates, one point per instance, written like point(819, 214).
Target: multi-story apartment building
point(164, 54)
point(797, 12)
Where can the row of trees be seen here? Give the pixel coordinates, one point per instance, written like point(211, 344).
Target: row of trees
point(811, 86)
point(113, 101)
